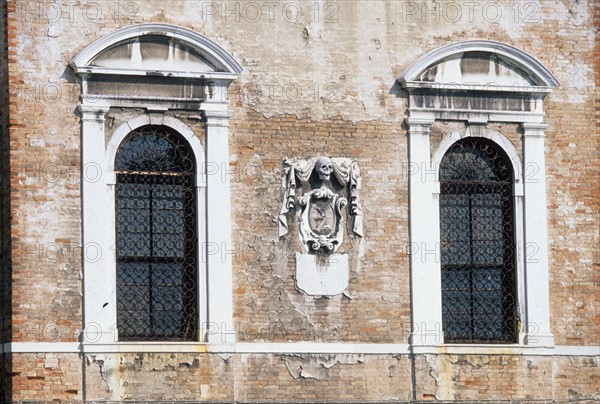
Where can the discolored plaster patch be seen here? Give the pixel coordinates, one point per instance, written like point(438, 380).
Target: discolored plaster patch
point(318, 366)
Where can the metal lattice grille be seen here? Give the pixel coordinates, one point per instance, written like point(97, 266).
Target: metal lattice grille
point(156, 237)
point(477, 244)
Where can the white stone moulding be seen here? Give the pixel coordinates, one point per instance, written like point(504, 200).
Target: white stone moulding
point(213, 191)
point(529, 196)
point(226, 66)
point(544, 80)
point(301, 348)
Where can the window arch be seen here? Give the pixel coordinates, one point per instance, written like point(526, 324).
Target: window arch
point(156, 240)
point(477, 243)
point(198, 85)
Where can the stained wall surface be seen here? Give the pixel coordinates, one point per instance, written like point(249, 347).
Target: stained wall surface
point(319, 79)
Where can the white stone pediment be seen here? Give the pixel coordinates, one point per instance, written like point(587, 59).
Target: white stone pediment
point(151, 49)
point(172, 66)
point(153, 53)
point(476, 68)
point(478, 65)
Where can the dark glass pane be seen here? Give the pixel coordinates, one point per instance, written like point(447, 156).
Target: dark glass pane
point(152, 148)
point(476, 234)
point(455, 229)
point(156, 238)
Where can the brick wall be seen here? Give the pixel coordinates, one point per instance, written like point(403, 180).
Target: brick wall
point(321, 84)
point(376, 305)
point(303, 377)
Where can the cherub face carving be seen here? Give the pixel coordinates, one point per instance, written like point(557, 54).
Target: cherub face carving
point(324, 168)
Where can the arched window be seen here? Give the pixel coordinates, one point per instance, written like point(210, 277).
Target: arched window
point(156, 241)
point(477, 244)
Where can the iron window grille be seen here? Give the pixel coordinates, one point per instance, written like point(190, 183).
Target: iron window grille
point(156, 240)
point(477, 244)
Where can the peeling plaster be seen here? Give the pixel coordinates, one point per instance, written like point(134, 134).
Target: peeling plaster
point(443, 379)
point(475, 361)
point(427, 377)
point(95, 360)
point(317, 367)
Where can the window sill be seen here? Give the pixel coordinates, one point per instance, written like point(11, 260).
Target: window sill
point(314, 348)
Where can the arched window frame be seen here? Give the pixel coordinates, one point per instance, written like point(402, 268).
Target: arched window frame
point(431, 101)
point(502, 144)
point(165, 191)
point(207, 102)
point(120, 136)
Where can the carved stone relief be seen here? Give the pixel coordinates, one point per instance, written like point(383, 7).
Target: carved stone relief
point(317, 190)
point(341, 176)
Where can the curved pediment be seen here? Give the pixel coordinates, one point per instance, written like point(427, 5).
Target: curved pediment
point(150, 48)
point(481, 63)
point(153, 52)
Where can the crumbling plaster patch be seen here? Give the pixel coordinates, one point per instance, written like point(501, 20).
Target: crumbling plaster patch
point(126, 375)
point(318, 366)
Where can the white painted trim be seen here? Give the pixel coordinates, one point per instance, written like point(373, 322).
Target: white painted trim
point(537, 276)
point(165, 73)
point(323, 348)
point(478, 87)
point(522, 350)
point(41, 347)
point(496, 137)
point(425, 273)
point(220, 327)
point(516, 56)
point(100, 283)
point(98, 212)
point(142, 120)
point(207, 48)
point(302, 348)
point(478, 116)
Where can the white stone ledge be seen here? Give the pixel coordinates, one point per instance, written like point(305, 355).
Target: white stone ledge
point(41, 347)
point(521, 350)
point(299, 348)
point(322, 348)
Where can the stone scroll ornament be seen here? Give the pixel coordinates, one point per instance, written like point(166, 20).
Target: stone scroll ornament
point(325, 185)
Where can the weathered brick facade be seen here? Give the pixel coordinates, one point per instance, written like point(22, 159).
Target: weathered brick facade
point(319, 79)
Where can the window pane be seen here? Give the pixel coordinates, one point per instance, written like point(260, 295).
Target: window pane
point(455, 229)
point(477, 244)
point(168, 221)
point(156, 237)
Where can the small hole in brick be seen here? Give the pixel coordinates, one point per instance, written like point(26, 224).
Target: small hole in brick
point(104, 305)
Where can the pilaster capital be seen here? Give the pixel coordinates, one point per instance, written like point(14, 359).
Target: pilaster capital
point(217, 118)
point(419, 125)
point(95, 113)
point(533, 129)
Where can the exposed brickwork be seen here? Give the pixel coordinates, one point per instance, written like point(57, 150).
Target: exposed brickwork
point(309, 88)
point(481, 377)
point(252, 377)
point(46, 376)
point(267, 301)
